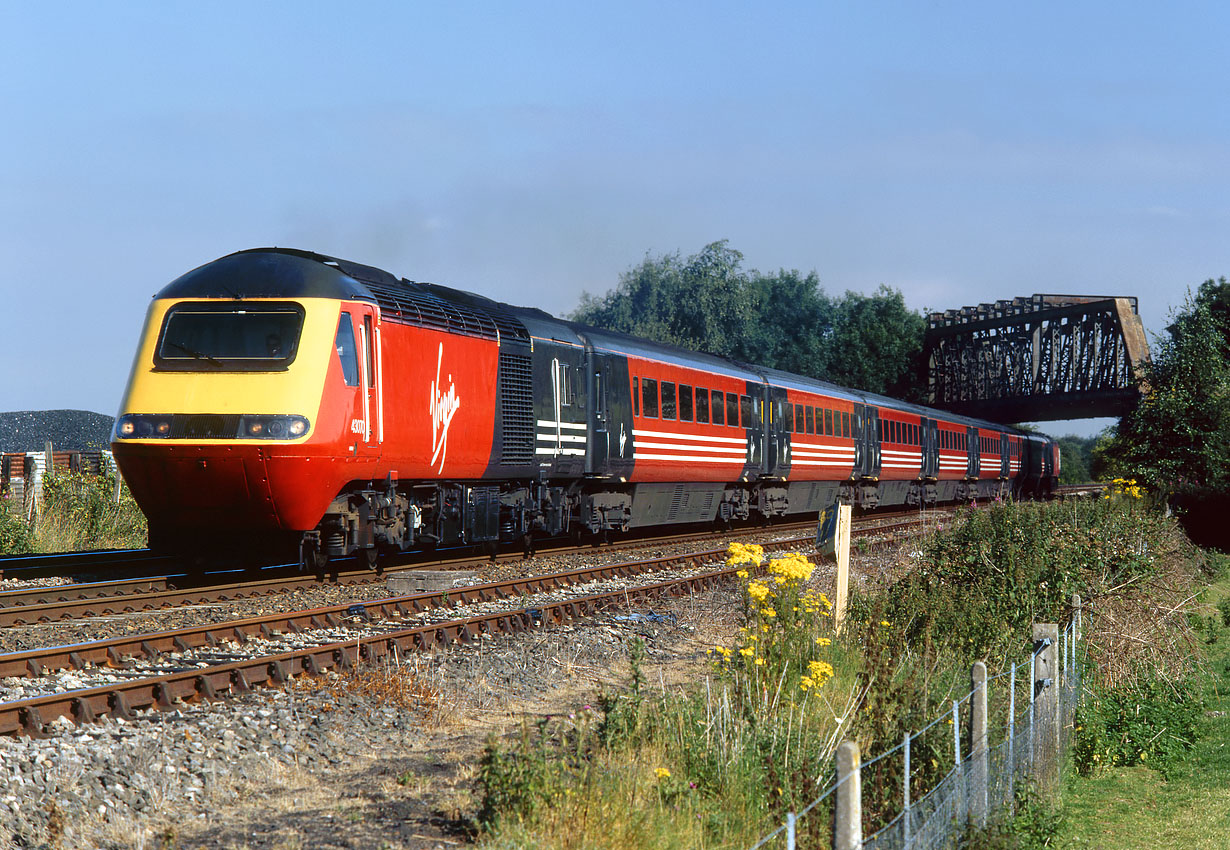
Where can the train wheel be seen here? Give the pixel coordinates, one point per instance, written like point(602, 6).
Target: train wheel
point(368, 559)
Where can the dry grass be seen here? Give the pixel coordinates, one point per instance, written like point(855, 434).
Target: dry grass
point(1146, 624)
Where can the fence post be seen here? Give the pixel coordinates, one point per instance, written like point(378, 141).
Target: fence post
point(978, 744)
point(1012, 733)
point(848, 813)
point(1046, 708)
point(905, 792)
point(958, 771)
point(790, 818)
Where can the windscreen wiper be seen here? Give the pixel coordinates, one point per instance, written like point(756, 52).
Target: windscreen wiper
point(192, 352)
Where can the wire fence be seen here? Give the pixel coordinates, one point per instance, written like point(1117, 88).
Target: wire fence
point(1033, 704)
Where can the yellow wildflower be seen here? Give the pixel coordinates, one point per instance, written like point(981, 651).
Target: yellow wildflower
point(662, 773)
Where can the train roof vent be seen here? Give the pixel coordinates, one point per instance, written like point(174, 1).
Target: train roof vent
point(409, 303)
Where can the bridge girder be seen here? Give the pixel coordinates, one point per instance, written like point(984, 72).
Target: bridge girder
point(1040, 358)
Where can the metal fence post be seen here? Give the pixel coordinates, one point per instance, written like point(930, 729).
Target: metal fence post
point(1046, 708)
point(790, 818)
point(848, 812)
point(1012, 732)
point(978, 744)
point(957, 768)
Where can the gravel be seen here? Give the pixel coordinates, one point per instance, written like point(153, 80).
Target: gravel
point(76, 430)
point(321, 760)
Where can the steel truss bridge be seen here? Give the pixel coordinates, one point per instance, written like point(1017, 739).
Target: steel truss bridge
point(1039, 358)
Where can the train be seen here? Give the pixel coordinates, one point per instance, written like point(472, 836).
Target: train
point(287, 399)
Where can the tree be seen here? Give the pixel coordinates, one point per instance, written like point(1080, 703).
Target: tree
point(1178, 436)
point(707, 302)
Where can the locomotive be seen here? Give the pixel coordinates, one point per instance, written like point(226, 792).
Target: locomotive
point(289, 398)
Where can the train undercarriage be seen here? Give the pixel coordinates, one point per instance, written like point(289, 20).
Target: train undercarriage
point(394, 516)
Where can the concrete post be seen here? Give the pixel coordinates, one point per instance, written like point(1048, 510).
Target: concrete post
point(848, 812)
point(1046, 709)
point(978, 745)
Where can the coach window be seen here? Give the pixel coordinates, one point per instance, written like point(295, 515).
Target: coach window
point(719, 408)
point(650, 397)
point(636, 396)
point(811, 421)
point(702, 404)
point(346, 351)
point(854, 425)
point(828, 422)
point(788, 418)
point(732, 410)
point(745, 405)
point(845, 423)
point(685, 403)
point(668, 399)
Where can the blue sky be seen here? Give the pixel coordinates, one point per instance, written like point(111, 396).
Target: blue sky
point(960, 152)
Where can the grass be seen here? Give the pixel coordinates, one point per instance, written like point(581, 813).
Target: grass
point(79, 512)
point(1186, 805)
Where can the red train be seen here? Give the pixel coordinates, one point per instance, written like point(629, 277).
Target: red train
point(280, 395)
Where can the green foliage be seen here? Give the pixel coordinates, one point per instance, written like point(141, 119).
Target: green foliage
point(1034, 825)
point(524, 782)
point(983, 579)
point(1076, 458)
point(1147, 720)
point(81, 512)
point(707, 302)
point(1179, 435)
point(16, 537)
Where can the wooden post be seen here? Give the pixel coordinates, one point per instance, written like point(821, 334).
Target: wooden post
point(848, 812)
point(978, 745)
point(842, 593)
point(1046, 709)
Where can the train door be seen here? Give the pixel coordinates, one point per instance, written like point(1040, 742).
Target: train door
point(778, 464)
point(600, 425)
point(973, 458)
point(868, 444)
point(371, 379)
point(930, 448)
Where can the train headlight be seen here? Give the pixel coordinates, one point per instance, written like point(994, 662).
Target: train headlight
point(143, 426)
point(276, 427)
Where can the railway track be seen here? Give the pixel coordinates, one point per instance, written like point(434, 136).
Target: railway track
point(208, 662)
point(27, 606)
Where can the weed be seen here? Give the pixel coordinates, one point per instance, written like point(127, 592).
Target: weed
point(1147, 720)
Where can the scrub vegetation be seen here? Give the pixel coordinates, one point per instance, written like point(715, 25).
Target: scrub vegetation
point(720, 764)
point(78, 512)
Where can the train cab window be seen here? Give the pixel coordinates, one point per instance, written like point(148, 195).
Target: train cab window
point(811, 421)
point(732, 410)
point(702, 404)
point(749, 414)
point(845, 423)
point(243, 337)
point(636, 395)
point(347, 352)
point(719, 408)
point(649, 397)
point(685, 403)
point(788, 421)
point(668, 399)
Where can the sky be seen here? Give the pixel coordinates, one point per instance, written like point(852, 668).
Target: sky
point(530, 151)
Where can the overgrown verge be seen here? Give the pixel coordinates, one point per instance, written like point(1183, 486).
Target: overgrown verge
point(721, 766)
point(78, 512)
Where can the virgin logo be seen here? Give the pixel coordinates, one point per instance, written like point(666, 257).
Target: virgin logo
point(443, 407)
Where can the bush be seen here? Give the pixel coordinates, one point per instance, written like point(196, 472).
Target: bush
point(16, 538)
point(1147, 720)
point(80, 512)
